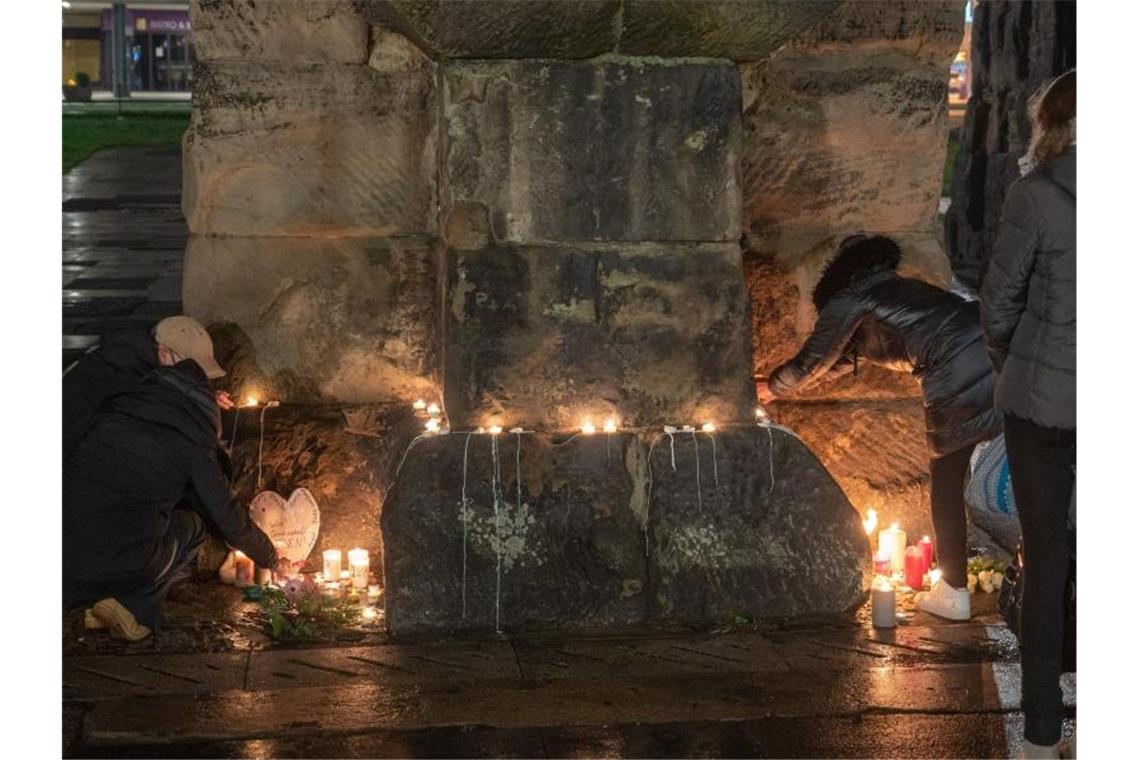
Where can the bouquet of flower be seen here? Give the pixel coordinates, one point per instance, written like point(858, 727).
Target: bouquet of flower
point(298, 611)
point(985, 573)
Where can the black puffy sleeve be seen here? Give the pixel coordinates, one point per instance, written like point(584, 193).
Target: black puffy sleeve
point(824, 349)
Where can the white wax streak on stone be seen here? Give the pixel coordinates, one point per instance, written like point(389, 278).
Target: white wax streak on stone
point(463, 514)
point(649, 493)
point(496, 485)
point(697, 450)
point(716, 475)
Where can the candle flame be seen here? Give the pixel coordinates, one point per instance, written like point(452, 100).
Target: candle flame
point(433, 409)
point(432, 425)
point(588, 428)
point(250, 401)
point(926, 539)
point(708, 427)
point(610, 426)
point(495, 429)
point(419, 404)
point(369, 613)
point(871, 521)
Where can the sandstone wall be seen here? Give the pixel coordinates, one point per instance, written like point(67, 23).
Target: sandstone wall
point(541, 211)
point(845, 130)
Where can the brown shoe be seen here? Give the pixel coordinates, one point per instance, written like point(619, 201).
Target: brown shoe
point(119, 620)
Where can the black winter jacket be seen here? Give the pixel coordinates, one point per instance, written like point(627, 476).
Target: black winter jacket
point(1029, 296)
point(147, 449)
point(905, 324)
point(117, 365)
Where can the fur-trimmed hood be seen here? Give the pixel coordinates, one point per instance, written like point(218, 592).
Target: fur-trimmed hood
point(858, 256)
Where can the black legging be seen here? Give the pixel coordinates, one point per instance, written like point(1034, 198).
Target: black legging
point(948, 511)
point(1041, 462)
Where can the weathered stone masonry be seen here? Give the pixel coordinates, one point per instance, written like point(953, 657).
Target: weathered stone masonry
point(541, 211)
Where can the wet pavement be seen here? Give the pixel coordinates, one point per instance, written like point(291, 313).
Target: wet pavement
point(123, 242)
point(833, 688)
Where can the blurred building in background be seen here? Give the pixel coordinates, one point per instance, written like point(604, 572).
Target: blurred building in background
point(125, 47)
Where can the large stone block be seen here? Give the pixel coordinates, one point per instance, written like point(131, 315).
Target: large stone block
point(504, 28)
point(841, 141)
point(612, 531)
point(311, 150)
point(741, 30)
point(568, 151)
point(320, 319)
point(930, 31)
point(292, 31)
point(549, 336)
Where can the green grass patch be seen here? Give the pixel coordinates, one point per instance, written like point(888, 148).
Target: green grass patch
point(83, 135)
point(948, 170)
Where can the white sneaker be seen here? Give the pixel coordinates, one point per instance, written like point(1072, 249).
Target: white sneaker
point(945, 601)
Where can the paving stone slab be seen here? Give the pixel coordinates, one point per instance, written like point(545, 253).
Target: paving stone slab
point(86, 678)
point(447, 662)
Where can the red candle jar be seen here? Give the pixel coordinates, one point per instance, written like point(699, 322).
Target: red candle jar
point(912, 567)
point(927, 547)
point(882, 564)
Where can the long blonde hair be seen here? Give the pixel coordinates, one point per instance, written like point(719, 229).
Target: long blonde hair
point(1053, 112)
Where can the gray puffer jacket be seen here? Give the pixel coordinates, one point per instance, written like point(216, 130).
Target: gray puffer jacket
point(1029, 296)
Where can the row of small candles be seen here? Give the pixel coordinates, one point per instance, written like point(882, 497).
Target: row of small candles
point(434, 423)
point(894, 559)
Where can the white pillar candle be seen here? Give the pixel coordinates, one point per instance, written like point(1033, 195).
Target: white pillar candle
point(331, 566)
point(882, 604)
point(358, 565)
point(892, 542)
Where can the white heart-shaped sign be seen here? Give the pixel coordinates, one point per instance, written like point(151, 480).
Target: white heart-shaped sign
point(291, 525)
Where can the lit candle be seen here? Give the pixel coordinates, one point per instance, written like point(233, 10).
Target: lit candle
point(374, 592)
point(495, 429)
point(358, 562)
point(250, 401)
point(369, 613)
point(331, 566)
point(882, 564)
point(433, 409)
point(419, 405)
point(432, 425)
point(708, 427)
point(892, 542)
point(882, 603)
point(243, 570)
point(761, 415)
point(913, 571)
point(871, 521)
point(927, 547)
point(588, 428)
point(610, 426)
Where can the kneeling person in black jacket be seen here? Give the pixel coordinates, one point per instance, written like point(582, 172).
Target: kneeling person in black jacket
point(124, 541)
point(868, 311)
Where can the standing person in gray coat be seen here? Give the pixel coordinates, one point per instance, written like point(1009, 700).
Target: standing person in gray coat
point(1029, 316)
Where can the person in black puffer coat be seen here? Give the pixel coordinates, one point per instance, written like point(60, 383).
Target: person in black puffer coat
point(867, 311)
point(124, 540)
